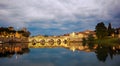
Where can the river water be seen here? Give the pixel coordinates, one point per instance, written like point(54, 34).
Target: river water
point(74, 54)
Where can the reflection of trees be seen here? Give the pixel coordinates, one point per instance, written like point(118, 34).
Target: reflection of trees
point(7, 54)
point(84, 41)
point(103, 52)
point(8, 50)
point(24, 50)
point(91, 45)
point(89, 41)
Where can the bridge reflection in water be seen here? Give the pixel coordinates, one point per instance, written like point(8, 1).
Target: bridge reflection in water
point(101, 51)
point(75, 46)
point(68, 45)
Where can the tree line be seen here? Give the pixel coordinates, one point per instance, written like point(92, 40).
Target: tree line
point(10, 30)
point(102, 31)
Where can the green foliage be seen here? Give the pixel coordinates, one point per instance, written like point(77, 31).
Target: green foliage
point(91, 38)
point(101, 30)
point(110, 30)
point(84, 41)
point(26, 34)
point(108, 41)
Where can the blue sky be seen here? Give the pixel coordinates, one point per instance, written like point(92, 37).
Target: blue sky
point(56, 17)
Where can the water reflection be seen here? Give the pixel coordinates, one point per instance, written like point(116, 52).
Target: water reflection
point(102, 52)
point(9, 49)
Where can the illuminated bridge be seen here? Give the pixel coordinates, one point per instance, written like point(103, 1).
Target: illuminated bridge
point(49, 40)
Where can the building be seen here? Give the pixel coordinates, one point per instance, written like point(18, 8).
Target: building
point(18, 35)
point(84, 34)
point(78, 36)
point(117, 32)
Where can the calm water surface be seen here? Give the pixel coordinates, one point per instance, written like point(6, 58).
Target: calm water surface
point(59, 56)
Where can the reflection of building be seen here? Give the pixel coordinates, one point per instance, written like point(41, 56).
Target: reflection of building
point(7, 50)
point(71, 46)
point(80, 47)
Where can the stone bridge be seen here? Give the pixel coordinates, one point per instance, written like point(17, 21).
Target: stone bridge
point(49, 40)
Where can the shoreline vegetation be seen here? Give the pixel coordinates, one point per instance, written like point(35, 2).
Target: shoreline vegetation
point(108, 41)
point(105, 41)
point(105, 35)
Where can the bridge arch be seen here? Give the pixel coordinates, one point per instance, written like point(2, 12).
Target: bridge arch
point(58, 41)
point(34, 42)
point(65, 41)
point(51, 41)
point(42, 41)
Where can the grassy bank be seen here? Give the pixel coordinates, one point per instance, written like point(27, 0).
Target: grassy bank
point(107, 41)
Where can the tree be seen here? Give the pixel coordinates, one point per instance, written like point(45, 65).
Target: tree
point(101, 30)
point(24, 33)
point(90, 37)
point(110, 30)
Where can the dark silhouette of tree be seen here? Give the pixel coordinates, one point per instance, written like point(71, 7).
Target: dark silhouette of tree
point(110, 30)
point(90, 37)
point(90, 41)
point(24, 33)
point(101, 30)
point(84, 41)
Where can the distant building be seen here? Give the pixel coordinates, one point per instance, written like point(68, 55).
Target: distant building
point(117, 32)
point(66, 34)
point(73, 34)
point(83, 34)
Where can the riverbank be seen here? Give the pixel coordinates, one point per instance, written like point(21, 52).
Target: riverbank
point(13, 40)
point(107, 41)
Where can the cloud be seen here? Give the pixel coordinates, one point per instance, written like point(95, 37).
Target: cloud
point(64, 15)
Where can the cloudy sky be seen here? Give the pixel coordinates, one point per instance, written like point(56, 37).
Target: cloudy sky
point(55, 17)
